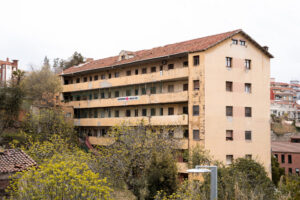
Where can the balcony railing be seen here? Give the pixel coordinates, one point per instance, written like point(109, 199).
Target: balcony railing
point(144, 99)
point(166, 120)
point(129, 80)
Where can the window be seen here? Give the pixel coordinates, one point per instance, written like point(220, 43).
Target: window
point(185, 63)
point(136, 92)
point(185, 110)
point(161, 112)
point(196, 60)
point(136, 72)
point(196, 85)
point(171, 111)
point(229, 159)
point(102, 114)
point(170, 88)
point(290, 170)
point(78, 80)
point(196, 135)
point(248, 156)
point(102, 95)
point(117, 113)
point(229, 111)
point(248, 87)
point(152, 112)
point(282, 158)
point(185, 87)
point(128, 73)
point(128, 92)
point(117, 94)
point(109, 94)
point(109, 113)
point(136, 112)
point(242, 42)
point(96, 77)
point(95, 114)
point(143, 91)
point(170, 66)
point(144, 112)
point(85, 79)
point(234, 41)
point(229, 135)
point(171, 133)
point(247, 64)
point(153, 90)
point(95, 95)
point(161, 68)
point(90, 96)
point(228, 86)
point(186, 133)
point(109, 75)
point(102, 77)
point(228, 62)
point(117, 74)
point(248, 112)
point(128, 113)
point(290, 159)
point(195, 110)
point(144, 71)
point(153, 69)
point(248, 135)
point(91, 78)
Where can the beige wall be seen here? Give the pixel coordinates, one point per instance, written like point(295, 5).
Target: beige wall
point(216, 98)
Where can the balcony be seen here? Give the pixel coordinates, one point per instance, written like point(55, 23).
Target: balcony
point(153, 120)
point(144, 99)
point(129, 80)
point(103, 141)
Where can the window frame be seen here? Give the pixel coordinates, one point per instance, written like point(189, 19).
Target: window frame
point(196, 110)
point(196, 60)
point(229, 86)
point(229, 111)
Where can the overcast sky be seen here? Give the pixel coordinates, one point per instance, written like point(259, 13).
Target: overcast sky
point(33, 29)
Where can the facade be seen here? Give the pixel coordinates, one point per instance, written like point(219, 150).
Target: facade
point(216, 88)
point(6, 69)
point(288, 155)
point(285, 98)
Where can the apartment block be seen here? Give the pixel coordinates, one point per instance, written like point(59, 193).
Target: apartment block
point(6, 69)
point(216, 88)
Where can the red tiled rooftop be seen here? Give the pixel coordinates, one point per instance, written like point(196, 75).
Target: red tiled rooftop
point(285, 147)
point(14, 160)
point(200, 44)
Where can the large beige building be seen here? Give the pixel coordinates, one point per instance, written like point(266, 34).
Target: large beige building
point(217, 88)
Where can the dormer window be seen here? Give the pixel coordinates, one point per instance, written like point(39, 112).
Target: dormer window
point(242, 42)
point(234, 41)
point(123, 57)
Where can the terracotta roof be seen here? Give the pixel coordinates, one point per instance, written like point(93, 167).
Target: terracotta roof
point(14, 160)
point(285, 147)
point(195, 45)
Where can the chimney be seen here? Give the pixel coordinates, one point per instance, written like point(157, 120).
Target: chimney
point(15, 63)
point(7, 59)
point(266, 48)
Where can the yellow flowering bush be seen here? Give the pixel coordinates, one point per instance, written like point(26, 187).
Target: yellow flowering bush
point(62, 177)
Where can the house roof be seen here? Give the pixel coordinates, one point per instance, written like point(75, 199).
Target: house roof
point(14, 160)
point(289, 147)
point(195, 45)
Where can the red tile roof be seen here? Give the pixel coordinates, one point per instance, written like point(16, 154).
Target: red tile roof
point(14, 160)
point(195, 45)
point(290, 147)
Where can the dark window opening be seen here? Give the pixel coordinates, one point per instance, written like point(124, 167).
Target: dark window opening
point(153, 69)
point(196, 60)
point(152, 112)
point(229, 135)
point(229, 111)
point(185, 87)
point(171, 111)
point(248, 112)
point(289, 158)
point(128, 73)
point(144, 112)
point(185, 63)
point(128, 113)
point(248, 135)
point(228, 62)
point(170, 66)
point(96, 77)
point(185, 110)
point(282, 158)
point(195, 110)
point(228, 86)
point(196, 135)
point(196, 85)
point(144, 71)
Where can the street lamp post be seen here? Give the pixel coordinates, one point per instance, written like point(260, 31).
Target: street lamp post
point(213, 178)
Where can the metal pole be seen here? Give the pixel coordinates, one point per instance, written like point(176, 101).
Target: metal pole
point(213, 181)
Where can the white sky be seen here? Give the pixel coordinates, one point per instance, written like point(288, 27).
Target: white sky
point(32, 29)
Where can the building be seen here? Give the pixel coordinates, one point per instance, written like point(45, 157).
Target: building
point(12, 161)
point(6, 69)
point(288, 154)
point(215, 87)
point(285, 98)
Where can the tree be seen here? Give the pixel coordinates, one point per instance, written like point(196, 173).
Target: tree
point(290, 186)
point(162, 175)
point(41, 86)
point(74, 60)
point(62, 177)
point(128, 159)
point(46, 62)
point(277, 171)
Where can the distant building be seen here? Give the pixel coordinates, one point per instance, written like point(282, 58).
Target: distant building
point(285, 98)
point(288, 154)
point(216, 88)
point(12, 161)
point(6, 69)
